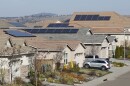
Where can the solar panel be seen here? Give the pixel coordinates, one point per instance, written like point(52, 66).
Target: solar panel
point(66, 31)
point(83, 17)
point(91, 18)
point(50, 30)
point(101, 18)
point(58, 30)
point(40, 31)
point(50, 25)
point(17, 24)
point(77, 17)
point(58, 25)
point(95, 17)
point(17, 33)
point(107, 18)
point(74, 30)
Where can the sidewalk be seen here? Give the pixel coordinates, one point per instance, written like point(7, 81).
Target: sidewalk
point(116, 71)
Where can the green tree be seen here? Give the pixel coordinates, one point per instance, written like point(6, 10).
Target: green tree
point(117, 52)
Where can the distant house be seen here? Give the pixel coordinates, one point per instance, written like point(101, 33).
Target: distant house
point(98, 19)
point(15, 58)
point(96, 45)
point(72, 51)
point(117, 32)
point(17, 25)
point(85, 36)
point(104, 23)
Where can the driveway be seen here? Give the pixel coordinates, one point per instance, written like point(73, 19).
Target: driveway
point(123, 80)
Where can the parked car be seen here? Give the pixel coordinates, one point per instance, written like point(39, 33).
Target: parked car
point(91, 58)
point(102, 64)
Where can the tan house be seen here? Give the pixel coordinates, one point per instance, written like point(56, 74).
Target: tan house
point(15, 58)
point(98, 19)
point(69, 50)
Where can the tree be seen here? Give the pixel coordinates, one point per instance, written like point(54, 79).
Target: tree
point(117, 52)
point(58, 57)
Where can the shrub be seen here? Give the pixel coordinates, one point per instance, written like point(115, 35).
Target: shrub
point(128, 56)
point(18, 80)
point(69, 68)
point(118, 64)
point(50, 79)
point(33, 82)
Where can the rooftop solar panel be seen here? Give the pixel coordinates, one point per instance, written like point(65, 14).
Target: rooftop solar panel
point(74, 30)
point(91, 18)
point(77, 17)
point(95, 17)
point(17, 24)
point(53, 31)
point(101, 18)
point(66, 31)
point(58, 30)
point(58, 25)
point(17, 33)
point(83, 17)
point(107, 18)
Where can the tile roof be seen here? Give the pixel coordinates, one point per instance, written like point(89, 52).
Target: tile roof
point(53, 45)
point(106, 30)
point(111, 38)
point(116, 20)
point(15, 49)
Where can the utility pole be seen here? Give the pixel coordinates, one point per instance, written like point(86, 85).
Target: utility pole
point(124, 44)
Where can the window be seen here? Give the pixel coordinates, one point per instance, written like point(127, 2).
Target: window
point(65, 58)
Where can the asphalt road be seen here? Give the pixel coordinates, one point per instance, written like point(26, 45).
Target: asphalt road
point(123, 80)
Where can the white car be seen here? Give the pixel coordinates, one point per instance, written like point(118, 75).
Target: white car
point(102, 64)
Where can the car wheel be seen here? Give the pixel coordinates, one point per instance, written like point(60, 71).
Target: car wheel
point(103, 68)
point(86, 66)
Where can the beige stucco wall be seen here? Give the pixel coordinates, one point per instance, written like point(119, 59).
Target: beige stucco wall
point(79, 55)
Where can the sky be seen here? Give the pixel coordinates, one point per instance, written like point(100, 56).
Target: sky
point(17, 8)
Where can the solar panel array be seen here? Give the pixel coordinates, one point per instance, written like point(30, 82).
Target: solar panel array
point(59, 25)
point(53, 31)
point(17, 33)
point(91, 18)
point(17, 24)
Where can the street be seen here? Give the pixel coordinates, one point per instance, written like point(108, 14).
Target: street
point(123, 80)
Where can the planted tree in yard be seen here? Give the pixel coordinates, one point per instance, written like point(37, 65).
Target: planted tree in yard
point(119, 53)
point(58, 57)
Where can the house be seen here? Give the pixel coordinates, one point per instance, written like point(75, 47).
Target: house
point(84, 35)
point(5, 24)
point(70, 51)
point(98, 19)
point(104, 23)
point(15, 58)
point(96, 45)
point(118, 32)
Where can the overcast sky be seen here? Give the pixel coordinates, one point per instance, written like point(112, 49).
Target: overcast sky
point(11, 8)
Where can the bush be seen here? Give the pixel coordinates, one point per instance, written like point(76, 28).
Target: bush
point(33, 82)
point(68, 68)
point(118, 64)
point(50, 79)
point(18, 80)
point(128, 56)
